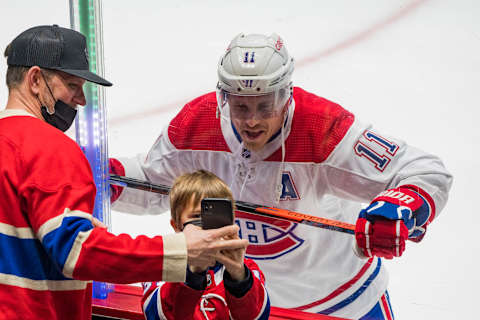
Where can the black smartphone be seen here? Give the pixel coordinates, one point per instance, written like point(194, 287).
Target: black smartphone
point(216, 213)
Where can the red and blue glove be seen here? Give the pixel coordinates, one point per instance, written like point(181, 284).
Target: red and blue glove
point(115, 167)
point(394, 216)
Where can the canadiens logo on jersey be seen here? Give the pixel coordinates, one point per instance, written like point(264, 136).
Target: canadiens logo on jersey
point(268, 238)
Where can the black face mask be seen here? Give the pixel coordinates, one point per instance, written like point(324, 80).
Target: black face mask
point(196, 222)
point(62, 116)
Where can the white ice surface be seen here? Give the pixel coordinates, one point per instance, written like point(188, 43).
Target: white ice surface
point(410, 67)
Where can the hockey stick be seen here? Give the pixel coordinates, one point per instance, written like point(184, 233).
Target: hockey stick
point(245, 206)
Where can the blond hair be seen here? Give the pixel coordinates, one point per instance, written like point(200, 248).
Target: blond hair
point(191, 188)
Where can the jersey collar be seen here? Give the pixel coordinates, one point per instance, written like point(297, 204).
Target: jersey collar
point(14, 112)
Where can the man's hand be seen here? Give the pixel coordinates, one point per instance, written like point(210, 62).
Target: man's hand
point(97, 223)
point(203, 246)
point(233, 260)
point(392, 217)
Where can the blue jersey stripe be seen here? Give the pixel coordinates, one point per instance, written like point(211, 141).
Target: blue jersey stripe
point(27, 258)
point(266, 312)
point(59, 242)
point(357, 293)
point(151, 311)
point(376, 313)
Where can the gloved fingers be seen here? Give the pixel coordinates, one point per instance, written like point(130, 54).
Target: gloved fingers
point(362, 236)
point(383, 238)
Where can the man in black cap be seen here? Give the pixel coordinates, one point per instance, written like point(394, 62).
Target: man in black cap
point(50, 250)
point(54, 51)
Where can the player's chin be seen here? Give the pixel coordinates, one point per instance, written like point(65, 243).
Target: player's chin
point(256, 142)
point(254, 146)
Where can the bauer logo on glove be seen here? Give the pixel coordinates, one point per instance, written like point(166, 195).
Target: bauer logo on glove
point(394, 216)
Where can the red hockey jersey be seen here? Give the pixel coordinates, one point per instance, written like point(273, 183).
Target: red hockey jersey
point(50, 251)
point(177, 301)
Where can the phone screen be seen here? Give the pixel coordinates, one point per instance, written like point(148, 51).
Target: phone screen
point(216, 213)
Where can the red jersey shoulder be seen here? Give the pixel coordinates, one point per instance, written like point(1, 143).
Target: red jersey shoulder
point(252, 265)
point(38, 137)
point(46, 151)
point(318, 126)
point(196, 126)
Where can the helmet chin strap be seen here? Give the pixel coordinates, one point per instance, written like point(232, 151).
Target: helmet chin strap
point(281, 169)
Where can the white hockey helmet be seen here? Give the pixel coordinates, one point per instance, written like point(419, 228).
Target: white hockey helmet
point(255, 65)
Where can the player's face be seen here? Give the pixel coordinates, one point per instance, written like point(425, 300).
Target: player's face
point(256, 119)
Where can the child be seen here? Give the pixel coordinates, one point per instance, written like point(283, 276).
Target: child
point(232, 288)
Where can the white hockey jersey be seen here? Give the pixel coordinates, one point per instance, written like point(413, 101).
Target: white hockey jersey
point(332, 164)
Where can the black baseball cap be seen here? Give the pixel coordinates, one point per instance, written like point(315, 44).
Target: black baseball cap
point(53, 47)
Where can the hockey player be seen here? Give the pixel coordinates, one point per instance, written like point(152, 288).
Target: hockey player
point(49, 249)
point(235, 286)
point(279, 145)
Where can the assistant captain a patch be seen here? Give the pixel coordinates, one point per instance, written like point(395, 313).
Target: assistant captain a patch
point(289, 191)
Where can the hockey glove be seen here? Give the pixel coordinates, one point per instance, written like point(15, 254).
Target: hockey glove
point(394, 216)
point(115, 167)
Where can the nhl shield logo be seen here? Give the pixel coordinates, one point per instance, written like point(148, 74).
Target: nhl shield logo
point(268, 238)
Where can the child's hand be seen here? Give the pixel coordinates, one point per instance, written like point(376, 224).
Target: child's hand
point(233, 260)
point(198, 269)
point(203, 246)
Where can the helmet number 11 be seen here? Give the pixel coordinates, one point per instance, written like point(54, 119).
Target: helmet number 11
point(249, 57)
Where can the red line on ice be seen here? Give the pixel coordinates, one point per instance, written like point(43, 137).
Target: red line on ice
point(361, 36)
